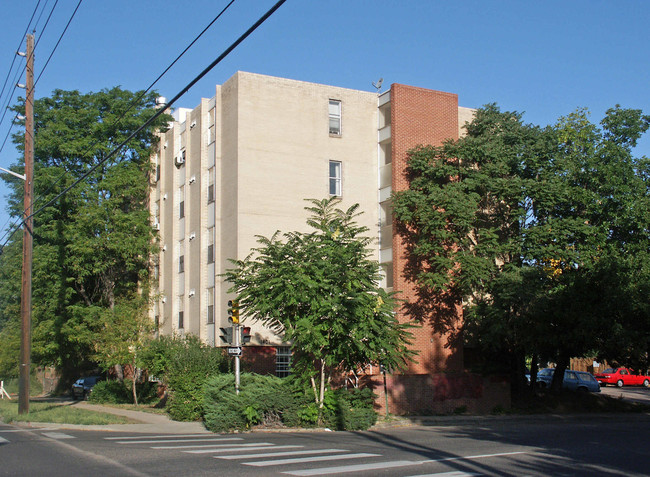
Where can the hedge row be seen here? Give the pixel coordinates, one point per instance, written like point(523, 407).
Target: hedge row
point(273, 401)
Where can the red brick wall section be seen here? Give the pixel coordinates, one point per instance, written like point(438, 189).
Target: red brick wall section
point(441, 394)
point(258, 359)
point(436, 379)
point(420, 117)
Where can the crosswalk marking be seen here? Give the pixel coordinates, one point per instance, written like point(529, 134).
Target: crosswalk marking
point(447, 474)
point(352, 468)
point(58, 435)
point(242, 448)
point(157, 441)
point(301, 460)
point(3, 440)
point(213, 446)
point(168, 436)
point(278, 454)
point(390, 464)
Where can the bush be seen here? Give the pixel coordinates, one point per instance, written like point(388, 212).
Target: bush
point(116, 392)
point(349, 409)
point(265, 400)
point(357, 419)
point(184, 364)
point(270, 400)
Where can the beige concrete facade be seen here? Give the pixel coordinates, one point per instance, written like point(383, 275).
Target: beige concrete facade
point(260, 146)
point(240, 165)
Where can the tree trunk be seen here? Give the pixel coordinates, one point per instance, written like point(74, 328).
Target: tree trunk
point(135, 378)
point(313, 387)
point(119, 372)
point(534, 368)
point(558, 376)
point(322, 384)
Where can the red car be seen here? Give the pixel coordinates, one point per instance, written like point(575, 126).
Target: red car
point(622, 377)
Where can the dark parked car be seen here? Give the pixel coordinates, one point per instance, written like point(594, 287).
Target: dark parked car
point(83, 386)
point(573, 380)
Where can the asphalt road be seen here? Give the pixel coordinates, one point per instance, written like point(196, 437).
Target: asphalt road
point(613, 445)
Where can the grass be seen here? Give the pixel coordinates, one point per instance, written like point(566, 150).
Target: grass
point(63, 413)
point(35, 386)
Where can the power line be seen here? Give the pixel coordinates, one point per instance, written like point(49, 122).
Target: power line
point(20, 73)
point(17, 49)
point(118, 120)
point(144, 92)
point(9, 99)
point(196, 79)
point(58, 41)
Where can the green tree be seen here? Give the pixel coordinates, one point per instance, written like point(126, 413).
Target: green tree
point(92, 245)
point(124, 331)
point(462, 220)
point(320, 291)
point(520, 224)
point(184, 364)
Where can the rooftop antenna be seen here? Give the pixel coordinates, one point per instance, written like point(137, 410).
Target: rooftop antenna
point(378, 84)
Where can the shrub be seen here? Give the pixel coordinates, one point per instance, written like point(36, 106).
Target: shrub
point(184, 364)
point(350, 409)
point(359, 419)
point(271, 400)
point(116, 392)
point(261, 399)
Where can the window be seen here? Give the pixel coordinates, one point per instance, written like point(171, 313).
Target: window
point(211, 245)
point(181, 324)
point(181, 202)
point(335, 178)
point(211, 126)
point(181, 264)
point(335, 117)
point(211, 185)
point(283, 361)
point(210, 306)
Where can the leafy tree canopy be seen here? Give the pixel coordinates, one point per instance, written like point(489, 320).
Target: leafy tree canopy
point(92, 245)
point(527, 226)
point(320, 291)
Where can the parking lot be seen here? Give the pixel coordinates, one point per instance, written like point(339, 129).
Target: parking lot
point(629, 393)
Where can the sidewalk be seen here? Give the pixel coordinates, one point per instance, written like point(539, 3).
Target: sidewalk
point(148, 423)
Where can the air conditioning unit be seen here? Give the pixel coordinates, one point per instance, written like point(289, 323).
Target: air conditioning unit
point(179, 160)
point(192, 124)
point(191, 293)
point(156, 226)
point(192, 236)
point(192, 179)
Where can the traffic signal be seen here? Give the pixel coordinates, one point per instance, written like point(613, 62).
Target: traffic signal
point(245, 334)
point(226, 334)
point(233, 311)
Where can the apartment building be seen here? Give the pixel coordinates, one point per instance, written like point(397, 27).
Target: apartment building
point(241, 164)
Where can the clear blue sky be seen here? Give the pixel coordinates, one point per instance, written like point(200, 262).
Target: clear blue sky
point(544, 58)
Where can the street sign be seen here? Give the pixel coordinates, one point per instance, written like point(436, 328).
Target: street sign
point(234, 351)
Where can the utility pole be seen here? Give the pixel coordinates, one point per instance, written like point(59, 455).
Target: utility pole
point(26, 297)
